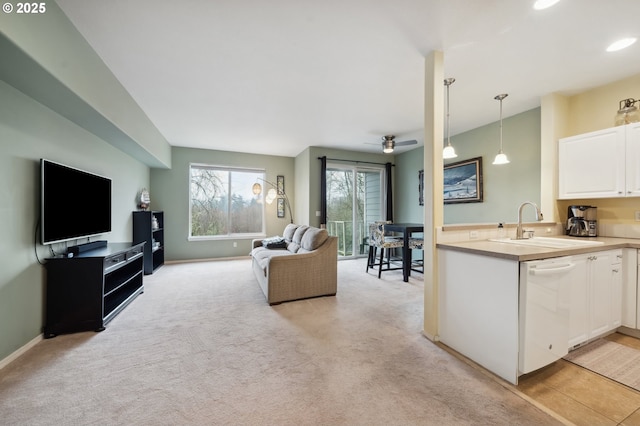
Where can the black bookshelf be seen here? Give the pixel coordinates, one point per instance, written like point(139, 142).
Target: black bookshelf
point(148, 228)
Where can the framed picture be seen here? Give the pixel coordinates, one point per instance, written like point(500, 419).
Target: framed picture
point(463, 181)
point(421, 187)
point(280, 183)
point(280, 207)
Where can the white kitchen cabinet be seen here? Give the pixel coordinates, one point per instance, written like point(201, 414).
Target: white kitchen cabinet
point(629, 287)
point(579, 305)
point(600, 164)
point(596, 295)
point(617, 275)
point(633, 159)
point(510, 320)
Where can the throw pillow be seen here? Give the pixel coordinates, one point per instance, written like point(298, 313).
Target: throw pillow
point(294, 245)
point(314, 238)
point(274, 243)
point(288, 232)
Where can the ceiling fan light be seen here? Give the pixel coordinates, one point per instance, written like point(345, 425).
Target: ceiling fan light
point(387, 146)
point(449, 152)
point(501, 158)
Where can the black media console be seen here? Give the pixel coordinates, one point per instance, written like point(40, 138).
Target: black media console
point(86, 291)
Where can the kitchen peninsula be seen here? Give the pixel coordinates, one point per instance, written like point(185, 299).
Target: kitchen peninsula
point(490, 314)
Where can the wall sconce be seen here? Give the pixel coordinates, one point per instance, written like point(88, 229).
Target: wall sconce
point(272, 194)
point(501, 158)
point(448, 151)
point(628, 112)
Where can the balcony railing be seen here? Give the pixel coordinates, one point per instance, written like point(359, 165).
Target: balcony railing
point(344, 230)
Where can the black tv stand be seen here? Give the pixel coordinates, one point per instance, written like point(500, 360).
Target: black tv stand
point(86, 291)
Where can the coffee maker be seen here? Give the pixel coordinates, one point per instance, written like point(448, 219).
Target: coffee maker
point(582, 221)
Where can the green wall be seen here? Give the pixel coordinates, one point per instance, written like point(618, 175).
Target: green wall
point(505, 186)
point(310, 162)
point(169, 192)
point(30, 131)
point(407, 206)
point(45, 57)
point(59, 101)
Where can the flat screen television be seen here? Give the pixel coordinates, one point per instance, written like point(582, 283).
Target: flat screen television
point(74, 203)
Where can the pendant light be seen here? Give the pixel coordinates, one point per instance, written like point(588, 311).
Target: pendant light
point(448, 151)
point(501, 158)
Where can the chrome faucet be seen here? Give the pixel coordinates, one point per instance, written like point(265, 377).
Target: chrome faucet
point(519, 230)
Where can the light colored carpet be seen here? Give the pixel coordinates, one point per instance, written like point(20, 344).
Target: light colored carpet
point(201, 346)
point(609, 359)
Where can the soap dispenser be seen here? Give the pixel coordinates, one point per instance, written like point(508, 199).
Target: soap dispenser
point(502, 233)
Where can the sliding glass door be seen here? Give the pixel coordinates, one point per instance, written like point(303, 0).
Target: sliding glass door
point(355, 197)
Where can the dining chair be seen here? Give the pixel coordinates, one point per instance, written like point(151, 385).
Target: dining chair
point(378, 240)
point(372, 243)
point(416, 244)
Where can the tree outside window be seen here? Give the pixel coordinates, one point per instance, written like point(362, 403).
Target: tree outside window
point(222, 202)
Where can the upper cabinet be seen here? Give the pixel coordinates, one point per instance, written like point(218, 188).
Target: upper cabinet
point(633, 159)
point(601, 164)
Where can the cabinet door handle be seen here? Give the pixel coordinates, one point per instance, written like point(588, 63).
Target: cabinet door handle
point(615, 270)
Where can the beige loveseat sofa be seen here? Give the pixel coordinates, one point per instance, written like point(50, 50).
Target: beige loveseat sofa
point(306, 265)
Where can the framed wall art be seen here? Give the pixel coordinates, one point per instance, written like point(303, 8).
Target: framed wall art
point(463, 181)
point(421, 187)
point(280, 207)
point(280, 184)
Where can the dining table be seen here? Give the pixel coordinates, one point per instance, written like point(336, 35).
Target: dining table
point(406, 229)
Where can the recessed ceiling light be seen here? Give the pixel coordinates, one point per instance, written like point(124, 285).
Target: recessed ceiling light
point(543, 4)
point(621, 44)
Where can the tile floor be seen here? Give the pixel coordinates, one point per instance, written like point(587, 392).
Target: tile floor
point(581, 396)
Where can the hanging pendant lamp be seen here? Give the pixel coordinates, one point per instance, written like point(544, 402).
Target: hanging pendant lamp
point(448, 151)
point(501, 158)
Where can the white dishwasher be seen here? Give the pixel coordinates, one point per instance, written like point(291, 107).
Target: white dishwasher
point(545, 287)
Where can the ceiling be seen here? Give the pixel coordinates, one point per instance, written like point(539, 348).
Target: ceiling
point(274, 77)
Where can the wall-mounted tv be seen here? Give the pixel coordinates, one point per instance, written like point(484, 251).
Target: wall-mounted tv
point(74, 203)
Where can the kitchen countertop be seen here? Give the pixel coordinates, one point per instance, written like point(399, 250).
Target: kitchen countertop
point(523, 253)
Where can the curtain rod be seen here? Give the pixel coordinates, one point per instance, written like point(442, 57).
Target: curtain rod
point(355, 161)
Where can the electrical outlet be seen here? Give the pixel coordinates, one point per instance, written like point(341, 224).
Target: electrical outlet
point(473, 235)
point(235, 244)
point(637, 215)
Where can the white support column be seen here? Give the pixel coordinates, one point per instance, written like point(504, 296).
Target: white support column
point(433, 174)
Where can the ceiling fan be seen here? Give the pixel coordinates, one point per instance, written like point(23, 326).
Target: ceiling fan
point(389, 143)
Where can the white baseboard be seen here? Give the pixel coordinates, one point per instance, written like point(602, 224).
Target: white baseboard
point(20, 351)
point(211, 259)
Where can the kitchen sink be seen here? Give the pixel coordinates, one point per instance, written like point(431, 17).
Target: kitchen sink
point(549, 242)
